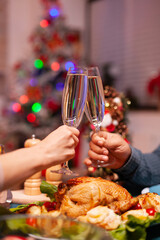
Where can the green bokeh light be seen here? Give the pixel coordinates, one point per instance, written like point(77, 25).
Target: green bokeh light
point(38, 63)
point(36, 107)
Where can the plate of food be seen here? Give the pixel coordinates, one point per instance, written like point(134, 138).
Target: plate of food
point(101, 203)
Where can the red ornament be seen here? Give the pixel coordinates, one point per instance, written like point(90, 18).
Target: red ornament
point(52, 105)
point(106, 111)
point(110, 128)
point(153, 84)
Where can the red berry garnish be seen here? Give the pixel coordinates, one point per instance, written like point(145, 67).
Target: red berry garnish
point(138, 206)
point(151, 211)
point(50, 206)
point(14, 237)
point(31, 221)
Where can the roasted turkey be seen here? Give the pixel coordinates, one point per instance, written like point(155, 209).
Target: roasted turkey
point(150, 200)
point(79, 195)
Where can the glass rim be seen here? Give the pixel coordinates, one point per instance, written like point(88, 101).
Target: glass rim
point(77, 67)
point(93, 67)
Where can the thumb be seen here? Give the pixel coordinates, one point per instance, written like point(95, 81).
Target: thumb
point(110, 139)
point(100, 138)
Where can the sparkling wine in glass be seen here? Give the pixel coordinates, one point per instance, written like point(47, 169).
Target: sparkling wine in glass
point(73, 102)
point(95, 104)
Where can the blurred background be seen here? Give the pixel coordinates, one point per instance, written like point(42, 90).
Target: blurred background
point(41, 39)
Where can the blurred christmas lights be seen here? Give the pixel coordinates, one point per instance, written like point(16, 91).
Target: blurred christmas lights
point(33, 82)
point(54, 12)
point(23, 99)
point(16, 107)
point(38, 63)
point(55, 66)
point(31, 117)
point(44, 23)
point(68, 65)
point(36, 107)
point(59, 86)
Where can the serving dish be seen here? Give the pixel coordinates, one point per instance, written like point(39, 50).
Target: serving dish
point(46, 227)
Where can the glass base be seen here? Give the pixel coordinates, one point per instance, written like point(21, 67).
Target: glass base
point(99, 164)
point(65, 170)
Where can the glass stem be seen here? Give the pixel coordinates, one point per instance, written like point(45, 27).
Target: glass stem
point(64, 165)
point(97, 129)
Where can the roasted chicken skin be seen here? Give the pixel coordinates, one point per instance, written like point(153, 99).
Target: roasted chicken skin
point(79, 195)
point(150, 200)
point(120, 207)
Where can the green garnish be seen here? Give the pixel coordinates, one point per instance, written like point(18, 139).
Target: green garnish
point(134, 228)
point(48, 189)
point(23, 206)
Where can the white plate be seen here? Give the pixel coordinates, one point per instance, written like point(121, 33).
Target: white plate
point(45, 238)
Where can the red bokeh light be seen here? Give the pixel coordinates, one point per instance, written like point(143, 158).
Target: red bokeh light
point(16, 107)
point(55, 66)
point(23, 99)
point(44, 23)
point(31, 117)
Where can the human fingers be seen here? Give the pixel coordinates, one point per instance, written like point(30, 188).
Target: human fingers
point(74, 130)
point(76, 140)
point(98, 149)
point(94, 156)
point(87, 162)
point(98, 163)
point(96, 139)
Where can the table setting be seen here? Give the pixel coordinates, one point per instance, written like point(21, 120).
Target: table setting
point(81, 207)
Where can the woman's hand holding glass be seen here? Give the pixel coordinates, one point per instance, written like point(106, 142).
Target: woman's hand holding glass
point(73, 103)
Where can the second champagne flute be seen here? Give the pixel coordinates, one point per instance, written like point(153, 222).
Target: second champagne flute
point(95, 104)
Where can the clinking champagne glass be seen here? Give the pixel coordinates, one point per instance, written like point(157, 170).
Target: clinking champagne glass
point(73, 103)
point(95, 104)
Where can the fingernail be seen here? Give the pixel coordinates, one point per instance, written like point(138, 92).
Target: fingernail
point(100, 142)
point(105, 152)
point(104, 157)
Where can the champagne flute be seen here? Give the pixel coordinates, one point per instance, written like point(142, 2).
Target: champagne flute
point(95, 104)
point(73, 103)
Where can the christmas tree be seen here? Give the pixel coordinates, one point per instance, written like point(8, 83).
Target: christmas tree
point(40, 79)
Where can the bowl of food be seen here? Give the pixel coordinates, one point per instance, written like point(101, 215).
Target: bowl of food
point(23, 227)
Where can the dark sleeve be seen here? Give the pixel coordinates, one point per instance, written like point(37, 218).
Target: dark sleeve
point(142, 169)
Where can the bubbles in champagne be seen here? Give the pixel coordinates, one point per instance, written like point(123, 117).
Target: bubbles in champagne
point(74, 98)
point(95, 101)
